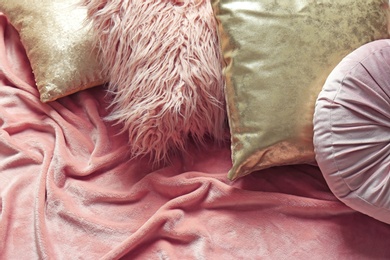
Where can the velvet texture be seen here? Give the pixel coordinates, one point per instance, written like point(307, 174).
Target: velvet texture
point(68, 191)
point(278, 55)
point(351, 130)
point(58, 44)
point(164, 64)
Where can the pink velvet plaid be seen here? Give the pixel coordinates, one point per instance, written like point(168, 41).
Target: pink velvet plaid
point(69, 191)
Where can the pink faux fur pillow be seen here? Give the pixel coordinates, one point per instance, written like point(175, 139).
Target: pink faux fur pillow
point(164, 64)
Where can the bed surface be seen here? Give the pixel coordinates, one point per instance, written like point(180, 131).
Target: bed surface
point(68, 190)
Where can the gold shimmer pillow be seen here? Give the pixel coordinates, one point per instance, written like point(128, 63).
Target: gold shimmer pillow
point(278, 54)
point(58, 45)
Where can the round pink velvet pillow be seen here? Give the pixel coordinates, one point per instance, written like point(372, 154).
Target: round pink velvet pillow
point(352, 130)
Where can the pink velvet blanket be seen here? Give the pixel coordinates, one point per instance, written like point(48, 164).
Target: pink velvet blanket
point(68, 190)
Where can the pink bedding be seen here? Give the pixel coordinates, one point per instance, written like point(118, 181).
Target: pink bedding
point(69, 191)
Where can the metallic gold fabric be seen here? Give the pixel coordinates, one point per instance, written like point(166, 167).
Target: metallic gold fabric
point(278, 54)
point(57, 43)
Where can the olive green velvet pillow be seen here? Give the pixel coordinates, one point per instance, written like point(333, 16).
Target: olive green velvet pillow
point(278, 54)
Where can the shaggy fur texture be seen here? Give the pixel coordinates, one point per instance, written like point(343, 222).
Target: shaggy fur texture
point(164, 63)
